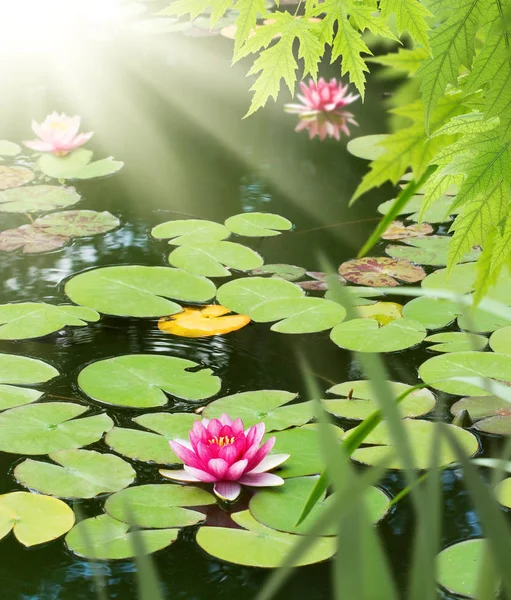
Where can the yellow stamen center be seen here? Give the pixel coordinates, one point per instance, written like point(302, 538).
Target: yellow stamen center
point(222, 441)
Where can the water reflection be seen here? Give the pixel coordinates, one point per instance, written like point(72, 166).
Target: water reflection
point(323, 125)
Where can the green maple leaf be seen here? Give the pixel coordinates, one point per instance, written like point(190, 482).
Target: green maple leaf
point(247, 19)
point(404, 60)
point(411, 16)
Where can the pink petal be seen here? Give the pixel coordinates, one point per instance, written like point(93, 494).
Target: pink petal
point(227, 490)
point(204, 452)
point(225, 419)
point(270, 462)
point(261, 479)
point(261, 453)
point(200, 474)
point(179, 475)
point(255, 434)
point(186, 455)
point(214, 428)
point(218, 467)
point(237, 427)
point(236, 470)
point(80, 140)
point(226, 431)
point(229, 453)
point(39, 146)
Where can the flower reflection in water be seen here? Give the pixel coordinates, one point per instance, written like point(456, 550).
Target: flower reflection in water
point(325, 125)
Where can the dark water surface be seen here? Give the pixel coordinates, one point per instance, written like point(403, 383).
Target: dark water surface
point(172, 111)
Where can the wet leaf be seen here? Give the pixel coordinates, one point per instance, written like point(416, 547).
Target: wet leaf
point(104, 538)
point(433, 313)
point(37, 198)
point(195, 322)
point(381, 272)
point(458, 567)
point(461, 279)
point(13, 176)
point(190, 231)
point(77, 223)
point(367, 146)
point(34, 519)
point(81, 474)
point(142, 380)
point(397, 230)
point(430, 250)
point(254, 224)
point(77, 165)
point(490, 413)
point(456, 341)
point(383, 312)
point(287, 272)
point(138, 291)
point(49, 427)
point(31, 239)
point(9, 148)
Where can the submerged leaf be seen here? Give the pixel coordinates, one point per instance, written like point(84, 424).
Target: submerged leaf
point(77, 223)
point(381, 272)
point(203, 322)
point(31, 239)
point(37, 198)
point(12, 177)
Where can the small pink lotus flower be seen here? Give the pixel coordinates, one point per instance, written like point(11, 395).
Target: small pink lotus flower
point(221, 452)
point(326, 125)
point(321, 97)
point(58, 134)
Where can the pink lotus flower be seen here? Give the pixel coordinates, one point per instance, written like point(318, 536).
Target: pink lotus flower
point(221, 452)
point(58, 134)
point(322, 97)
point(326, 125)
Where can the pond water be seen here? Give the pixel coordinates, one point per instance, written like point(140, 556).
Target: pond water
point(173, 112)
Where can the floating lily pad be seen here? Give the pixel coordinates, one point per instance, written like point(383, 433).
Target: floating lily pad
point(360, 400)
point(379, 444)
point(104, 538)
point(287, 272)
point(433, 313)
point(437, 370)
point(190, 231)
point(383, 312)
point(37, 198)
point(438, 212)
point(366, 335)
point(381, 272)
point(141, 380)
point(503, 492)
point(138, 291)
point(35, 319)
point(12, 396)
point(367, 146)
point(258, 224)
point(299, 315)
point(81, 474)
point(77, 165)
point(209, 258)
point(490, 413)
point(359, 296)
point(431, 250)
point(49, 427)
point(141, 445)
point(459, 566)
point(243, 295)
point(397, 230)
point(281, 508)
point(31, 239)
point(77, 223)
point(456, 341)
point(13, 177)
point(480, 320)
point(9, 148)
point(500, 340)
point(461, 279)
point(318, 281)
point(195, 322)
point(34, 519)
point(257, 545)
point(269, 406)
point(159, 506)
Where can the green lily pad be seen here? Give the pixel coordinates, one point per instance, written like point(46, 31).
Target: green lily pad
point(243, 295)
point(77, 223)
point(503, 492)
point(270, 406)
point(49, 427)
point(359, 400)
point(169, 425)
point(367, 146)
point(433, 313)
point(379, 444)
point(37, 198)
point(12, 396)
point(25, 371)
point(456, 341)
point(500, 340)
point(257, 545)
point(159, 506)
point(381, 271)
point(138, 291)
point(104, 538)
point(258, 224)
point(438, 212)
point(9, 148)
point(31, 239)
point(141, 445)
point(81, 474)
point(458, 567)
point(209, 258)
point(299, 315)
point(287, 272)
point(280, 508)
point(141, 380)
point(490, 413)
point(190, 231)
point(77, 165)
point(431, 250)
point(13, 176)
point(461, 279)
point(397, 230)
point(34, 519)
point(28, 320)
point(365, 335)
point(465, 364)
point(359, 296)
point(480, 320)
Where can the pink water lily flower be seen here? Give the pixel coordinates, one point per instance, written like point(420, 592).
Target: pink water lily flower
point(322, 97)
point(58, 134)
point(325, 125)
point(220, 451)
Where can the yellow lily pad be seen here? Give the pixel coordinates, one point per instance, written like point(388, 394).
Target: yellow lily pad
point(383, 312)
point(203, 321)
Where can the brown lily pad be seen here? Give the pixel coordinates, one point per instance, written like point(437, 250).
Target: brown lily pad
point(397, 230)
point(11, 177)
point(318, 281)
point(37, 198)
point(31, 239)
point(77, 223)
point(381, 271)
point(490, 414)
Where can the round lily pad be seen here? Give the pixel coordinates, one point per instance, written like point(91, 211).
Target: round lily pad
point(258, 224)
point(159, 506)
point(503, 492)
point(49, 427)
point(9, 148)
point(81, 474)
point(190, 231)
point(37, 198)
point(205, 321)
point(141, 445)
point(141, 380)
point(257, 545)
point(365, 335)
point(437, 370)
point(138, 291)
point(383, 312)
point(318, 281)
point(77, 165)
point(12, 396)
point(24, 370)
point(480, 320)
point(397, 230)
point(31, 239)
point(367, 146)
point(381, 272)
point(104, 538)
point(281, 508)
point(433, 313)
point(458, 567)
point(490, 413)
point(13, 176)
point(456, 341)
point(461, 279)
point(243, 295)
point(299, 315)
point(287, 272)
point(269, 406)
point(431, 250)
point(438, 212)
point(359, 401)
point(34, 519)
point(209, 258)
point(77, 223)
point(500, 340)
point(379, 444)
